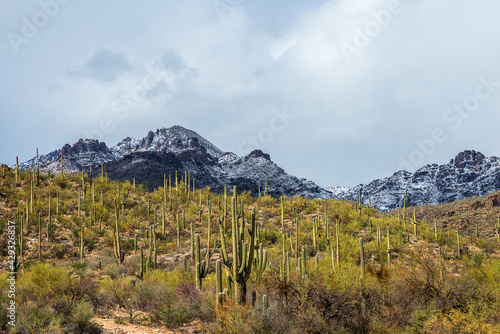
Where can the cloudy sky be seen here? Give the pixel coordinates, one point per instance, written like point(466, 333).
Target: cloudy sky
point(340, 92)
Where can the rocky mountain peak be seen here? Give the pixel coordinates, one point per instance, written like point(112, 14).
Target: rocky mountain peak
point(148, 140)
point(177, 149)
point(468, 158)
point(469, 174)
point(259, 154)
point(85, 146)
point(176, 139)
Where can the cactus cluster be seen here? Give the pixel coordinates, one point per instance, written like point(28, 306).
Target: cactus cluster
point(157, 225)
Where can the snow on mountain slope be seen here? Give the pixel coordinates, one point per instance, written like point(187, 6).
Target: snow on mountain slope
point(175, 139)
point(167, 150)
point(177, 149)
point(469, 174)
point(258, 167)
point(80, 154)
point(337, 191)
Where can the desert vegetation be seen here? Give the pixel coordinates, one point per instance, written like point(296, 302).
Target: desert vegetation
point(237, 262)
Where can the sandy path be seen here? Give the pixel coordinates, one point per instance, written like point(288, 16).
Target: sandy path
point(111, 327)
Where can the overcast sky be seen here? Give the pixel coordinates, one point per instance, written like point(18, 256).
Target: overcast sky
point(339, 92)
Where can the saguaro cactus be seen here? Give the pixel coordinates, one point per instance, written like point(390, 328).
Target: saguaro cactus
point(178, 230)
point(282, 214)
point(153, 233)
point(441, 265)
point(209, 228)
point(17, 169)
point(141, 265)
point(359, 203)
point(82, 241)
point(414, 223)
point(201, 266)
point(379, 234)
point(218, 286)
point(265, 305)
point(362, 257)
point(192, 244)
point(388, 247)
point(303, 263)
point(90, 175)
point(498, 231)
point(296, 251)
point(117, 235)
point(332, 255)
point(337, 236)
point(21, 243)
point(404, 209)
point(243, 254)
point(225, 201)
point(37, 169)
point(435, 230)
point(39, 237)
point(32, 199)
point(316, 233)
point(260, 262)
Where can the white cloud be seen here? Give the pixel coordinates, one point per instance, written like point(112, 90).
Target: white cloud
point(223, 78)
point(104, 65)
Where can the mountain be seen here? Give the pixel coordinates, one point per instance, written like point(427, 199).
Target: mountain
point(469, 174)
point(176, 149)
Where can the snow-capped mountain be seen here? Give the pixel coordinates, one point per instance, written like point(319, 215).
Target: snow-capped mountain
point(177, 149)
point(469, 174)
point(338, 191)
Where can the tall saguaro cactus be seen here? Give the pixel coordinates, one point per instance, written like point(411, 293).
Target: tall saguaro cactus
point(37, 169)
point(62, 163)
point(404, 209)
point(498, 230)
point(243, 254)
point(362, 260)
point(218, 286)
point(282, 215)
point(388, 247)
point(17, 169)
point(303, 263)
point(260, 262)
point(209, 232)
point(82, 242)
point(39, 237)
point(315, 232)
point(117, 235)
point(201, 265)
point(337, 236)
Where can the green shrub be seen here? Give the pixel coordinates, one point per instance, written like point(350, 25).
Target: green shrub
point(51, 301)
point(80, 319)
point(35, 318)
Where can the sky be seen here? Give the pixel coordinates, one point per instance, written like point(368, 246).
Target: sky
point(338, 92)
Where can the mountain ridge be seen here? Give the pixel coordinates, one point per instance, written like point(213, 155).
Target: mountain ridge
point(168, 150)
point(469, 174)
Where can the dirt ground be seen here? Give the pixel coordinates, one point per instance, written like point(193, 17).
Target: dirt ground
point(112, 327)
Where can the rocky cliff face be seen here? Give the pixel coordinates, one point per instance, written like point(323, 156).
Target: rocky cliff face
point(178, 149)
point(469, 174)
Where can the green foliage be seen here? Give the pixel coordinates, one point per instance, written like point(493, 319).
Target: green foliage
point(52, 301)
point(421, 291)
